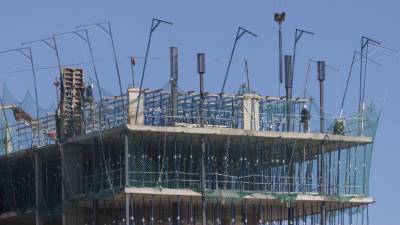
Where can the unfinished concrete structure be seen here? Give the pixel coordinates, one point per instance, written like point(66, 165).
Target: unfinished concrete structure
point(183, 157)
point(115, 161)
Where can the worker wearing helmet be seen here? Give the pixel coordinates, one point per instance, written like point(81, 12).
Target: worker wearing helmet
point(305, 118)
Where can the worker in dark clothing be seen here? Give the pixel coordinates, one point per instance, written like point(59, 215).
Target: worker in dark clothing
point(339, 126)
point(305, 119)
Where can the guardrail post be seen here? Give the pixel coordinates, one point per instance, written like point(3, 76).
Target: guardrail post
point(38, 189)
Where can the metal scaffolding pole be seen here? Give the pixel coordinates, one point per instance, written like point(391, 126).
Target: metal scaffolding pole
point(38, 188)
point(154, 24)
point(297, 36)
point(280, 18)
point(321, 79)
point(240, 32)
point(201, 71)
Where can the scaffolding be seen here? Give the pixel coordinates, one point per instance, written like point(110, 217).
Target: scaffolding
point(258, 169)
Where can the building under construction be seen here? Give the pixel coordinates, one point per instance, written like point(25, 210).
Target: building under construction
point(169, 156)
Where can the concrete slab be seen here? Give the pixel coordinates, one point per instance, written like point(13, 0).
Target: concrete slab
point(165, 192)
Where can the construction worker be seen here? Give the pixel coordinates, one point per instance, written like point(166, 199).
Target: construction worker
point(339, 126)
point(305, 118)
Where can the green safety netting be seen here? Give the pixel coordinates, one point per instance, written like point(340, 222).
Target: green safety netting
point(243, 168)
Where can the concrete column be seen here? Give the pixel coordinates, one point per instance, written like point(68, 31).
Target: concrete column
point(38, 189)
point(133, 94)
point(95, 164)
point(95, 212)
point(73, 214)
point(73, 173)
point(291, 215)
point(250, 110)
point(63, 195)
point(127, 207)
point(127, 196)
point(126, 157)
point(323, 214)
point(71, 161)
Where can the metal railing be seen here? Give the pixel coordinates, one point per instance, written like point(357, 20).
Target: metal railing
point(113, 112)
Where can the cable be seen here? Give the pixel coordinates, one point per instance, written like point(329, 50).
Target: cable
point(216, 60)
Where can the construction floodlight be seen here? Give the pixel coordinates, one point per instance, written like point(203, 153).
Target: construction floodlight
point(279, 17)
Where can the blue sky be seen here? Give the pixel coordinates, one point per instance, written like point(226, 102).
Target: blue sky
point(209, 26)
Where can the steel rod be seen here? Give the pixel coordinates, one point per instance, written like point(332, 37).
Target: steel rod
point(154, 25)
point(240, 32)
point(298, 34)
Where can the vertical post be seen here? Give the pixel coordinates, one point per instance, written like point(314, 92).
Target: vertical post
point(127, 196)
point(291, 215)
point(126, 147)
point(321, 79)
point(288, 86)
point(279, 18)
point(280, 54)
point(174, 82)
point(95, 212)
point(63, 188)
point(247, 74)
point(360, 103)
point(38, 189)
point(323, 214)
point(127, 208)
point(95, 202)
point(289, 150)
point(201, 71)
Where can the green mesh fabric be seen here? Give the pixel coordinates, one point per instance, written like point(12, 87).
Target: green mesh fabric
point(288, 199)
